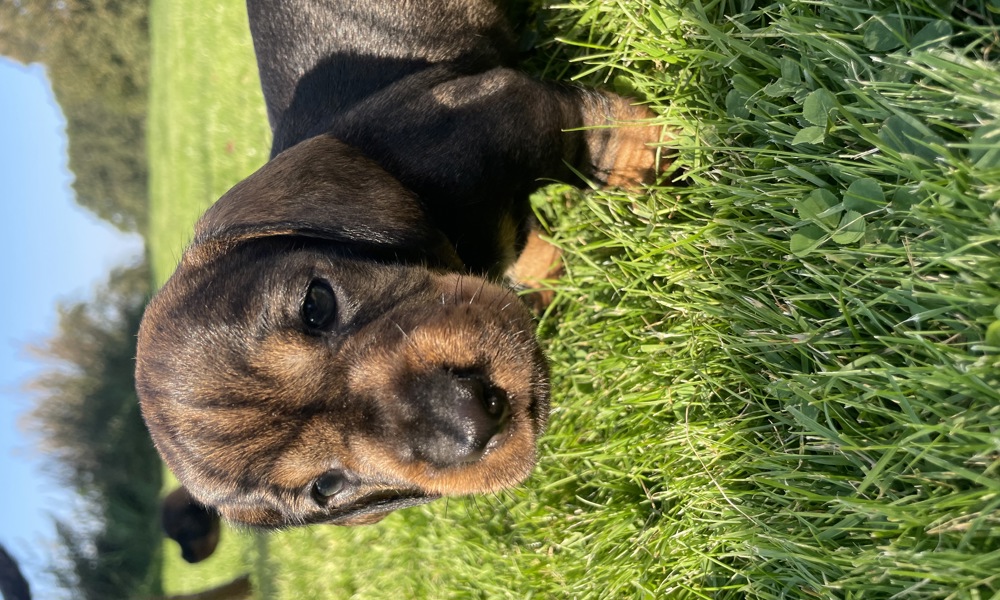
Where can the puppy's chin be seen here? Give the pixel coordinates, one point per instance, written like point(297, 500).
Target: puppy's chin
point(462, 392)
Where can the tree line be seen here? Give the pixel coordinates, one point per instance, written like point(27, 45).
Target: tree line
point(87, 421)
point(96, 53)
point(85, 413)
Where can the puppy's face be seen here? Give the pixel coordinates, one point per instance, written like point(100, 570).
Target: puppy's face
point(288, 381)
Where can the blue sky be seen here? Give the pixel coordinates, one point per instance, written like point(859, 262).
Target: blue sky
point(52, 251)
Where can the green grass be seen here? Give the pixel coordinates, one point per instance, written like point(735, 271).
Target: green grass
point(780, 381)
point(207, 125)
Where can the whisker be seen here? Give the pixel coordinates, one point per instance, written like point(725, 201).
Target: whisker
point(406, 336)
point(479, 509)
point(482, 286)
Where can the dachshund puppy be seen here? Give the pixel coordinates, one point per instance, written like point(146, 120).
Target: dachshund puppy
point(336, 342)
point(191, 524)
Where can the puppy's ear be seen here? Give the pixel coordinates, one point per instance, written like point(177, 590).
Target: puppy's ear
point(324, 188)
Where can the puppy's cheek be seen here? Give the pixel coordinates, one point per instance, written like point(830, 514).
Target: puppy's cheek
point(253, 516)
point(319, 446)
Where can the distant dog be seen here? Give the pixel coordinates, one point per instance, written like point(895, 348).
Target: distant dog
point(336, 343)
point(188, 522)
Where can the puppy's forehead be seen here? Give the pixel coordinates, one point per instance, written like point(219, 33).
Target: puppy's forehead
point(222, 293)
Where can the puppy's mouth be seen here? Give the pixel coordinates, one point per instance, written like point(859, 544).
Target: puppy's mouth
point(372, 508)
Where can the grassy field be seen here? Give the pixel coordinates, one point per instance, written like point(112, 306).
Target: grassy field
point(779, 381)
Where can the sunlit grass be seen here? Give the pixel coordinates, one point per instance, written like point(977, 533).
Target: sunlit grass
point(207, 126)
point(779, 381)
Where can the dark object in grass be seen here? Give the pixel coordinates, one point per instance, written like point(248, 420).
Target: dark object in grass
point(337, 342)
point(191, 524)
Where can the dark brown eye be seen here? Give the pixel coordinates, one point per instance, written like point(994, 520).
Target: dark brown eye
point(328, 485)
point(319, 308)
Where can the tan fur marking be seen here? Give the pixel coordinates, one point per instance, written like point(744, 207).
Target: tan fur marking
point(539, 261)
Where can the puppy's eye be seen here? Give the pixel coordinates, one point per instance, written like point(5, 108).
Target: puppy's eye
point(328, 485)
point(319, 307)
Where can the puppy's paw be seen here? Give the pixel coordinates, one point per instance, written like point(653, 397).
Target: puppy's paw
point(625, 148)
point(538, 262)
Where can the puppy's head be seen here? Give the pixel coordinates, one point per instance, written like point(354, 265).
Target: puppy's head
point(315, 358)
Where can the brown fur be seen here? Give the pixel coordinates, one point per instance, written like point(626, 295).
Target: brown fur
point(397, 193)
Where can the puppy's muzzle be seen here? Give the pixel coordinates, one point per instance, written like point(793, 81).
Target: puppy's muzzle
point(462, 416)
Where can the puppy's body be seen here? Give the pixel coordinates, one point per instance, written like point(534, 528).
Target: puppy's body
point(318, 60)
point(427, 90)
point(334, 344)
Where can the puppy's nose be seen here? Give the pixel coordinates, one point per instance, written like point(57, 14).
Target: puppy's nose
point(462, 414)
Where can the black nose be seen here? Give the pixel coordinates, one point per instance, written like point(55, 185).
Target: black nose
point(461, 412)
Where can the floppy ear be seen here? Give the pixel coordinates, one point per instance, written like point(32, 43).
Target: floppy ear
point(324, 188)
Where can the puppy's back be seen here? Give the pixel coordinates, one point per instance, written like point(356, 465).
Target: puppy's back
point(318, 58)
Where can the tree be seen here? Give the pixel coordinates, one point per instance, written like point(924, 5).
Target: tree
point(97, 56)
point(88, 420)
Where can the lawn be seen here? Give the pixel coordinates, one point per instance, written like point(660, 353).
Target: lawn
point(781, 380)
